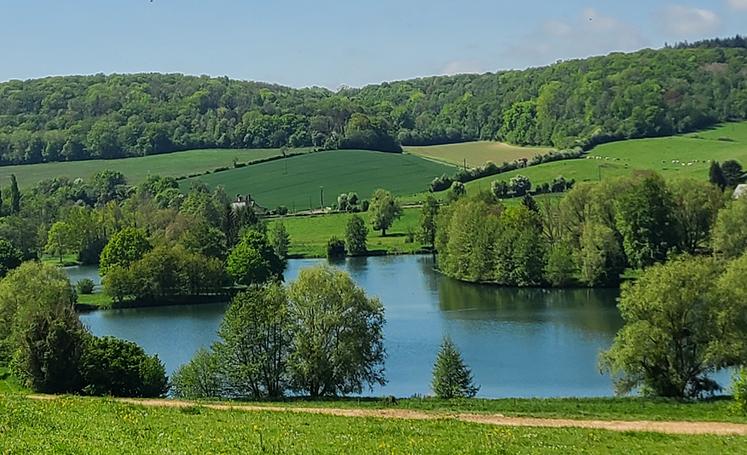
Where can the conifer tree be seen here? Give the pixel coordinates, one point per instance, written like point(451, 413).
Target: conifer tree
point(716, 175)
point(451, 377)
point(15, 196)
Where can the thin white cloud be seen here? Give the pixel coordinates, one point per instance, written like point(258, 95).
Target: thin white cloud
point(686, 22)
point(739, 5)
point(590, 33)
point(462, 67)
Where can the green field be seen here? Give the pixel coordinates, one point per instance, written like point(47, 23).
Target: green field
point(309, 234)
point(80, 425)
point(138, 169)
point(476, 153)
point(295, 182)
point(676, 156)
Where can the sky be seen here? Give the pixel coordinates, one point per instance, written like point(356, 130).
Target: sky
point(334, 43)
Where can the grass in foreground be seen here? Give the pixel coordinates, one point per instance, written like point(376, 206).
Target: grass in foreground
point(76, 425)
point(716, 410)
point(309, 234)
point(137, 169)
point(672, 157)
point(295, 182)
point(476, 153)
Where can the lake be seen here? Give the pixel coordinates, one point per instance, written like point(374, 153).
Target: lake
point(518, 342)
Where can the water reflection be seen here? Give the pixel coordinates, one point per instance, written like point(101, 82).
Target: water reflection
point(519, 342)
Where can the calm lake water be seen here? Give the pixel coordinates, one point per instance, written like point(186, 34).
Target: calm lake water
point(519, 342)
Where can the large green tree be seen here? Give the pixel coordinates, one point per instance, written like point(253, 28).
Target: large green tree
point(253, 260)
point(337, 346)
point(383, 210)
point(730, 229)
point(255, 343)
point(683, 322)
point(124, 248)
point(356, 234)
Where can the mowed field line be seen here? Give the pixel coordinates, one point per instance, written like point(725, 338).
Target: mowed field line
point(650, 426)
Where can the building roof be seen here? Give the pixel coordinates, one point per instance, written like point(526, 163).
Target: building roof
point(740, 190)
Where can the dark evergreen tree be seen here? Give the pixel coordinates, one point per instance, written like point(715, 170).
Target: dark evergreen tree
point(716, 175)
point(733, 172)
point(15, 195)
point(451, 377)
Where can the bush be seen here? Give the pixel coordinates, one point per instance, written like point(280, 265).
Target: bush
point(85, 286)
point(110, 366)
point(739, 389)
point(451, 377)
point(335, 248)
point(200, 378)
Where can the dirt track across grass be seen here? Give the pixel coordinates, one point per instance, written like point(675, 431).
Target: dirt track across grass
point(668, 427)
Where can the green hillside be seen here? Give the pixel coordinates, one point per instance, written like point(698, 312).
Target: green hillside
point(137, 169)
point(295, 182)
point(476, 153)
point(676, 156)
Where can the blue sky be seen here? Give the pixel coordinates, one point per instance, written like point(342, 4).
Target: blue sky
point(331, 43)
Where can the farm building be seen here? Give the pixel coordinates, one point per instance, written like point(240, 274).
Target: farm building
point(247, 201)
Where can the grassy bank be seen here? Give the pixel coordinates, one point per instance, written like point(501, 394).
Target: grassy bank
point(476, 153)
point(309, 234)
point(76, 425)
point(137, 169)
point(296, 182)
point(677, 156)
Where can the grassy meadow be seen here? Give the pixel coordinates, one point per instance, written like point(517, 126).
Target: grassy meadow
point(309, 234)
point(677, 156)
point(476, 153)
point(137, 169)
point(80, 425)
point(295, 182)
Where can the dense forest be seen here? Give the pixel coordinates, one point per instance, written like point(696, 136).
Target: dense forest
point(572, 103)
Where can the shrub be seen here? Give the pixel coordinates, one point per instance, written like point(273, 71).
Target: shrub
point(200, 378)
point(739, 389)
point(85, 286)
point(110, 366)
point(335, 248)
point(451, 377)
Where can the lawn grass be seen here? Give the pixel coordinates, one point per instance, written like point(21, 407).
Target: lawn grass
point(138, 169)
point(295, 182)
point(692, 151)
point(309, 234)
point(78, 425)
point(476, 153)
point(9, 384)
point(622, 408)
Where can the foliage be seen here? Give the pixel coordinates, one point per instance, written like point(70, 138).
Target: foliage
point(739, 390)
point(356, 233)
point(204, 239)
point(732, 172)
point(519, 185)
point(84, 286)
point(716, 175)
point(428, 217)
point(253, 260)
point(456, 190)
point(254, 344)
point(645, 220)
point(166, 272)
point(337, 344)
point(110, 366)
point(280, 240)
point(451, 377)
point(15, 196)
point(10, 257)
point(696, 205)
point(59, 239)
point(560, 268)
point(683, 321)
point(201, 377)
point(335, 248)
point(125, 247)
point(730, 229)
point(384, 210)
point(600, 257)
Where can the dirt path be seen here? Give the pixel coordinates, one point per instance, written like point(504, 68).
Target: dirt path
point(669, 427)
